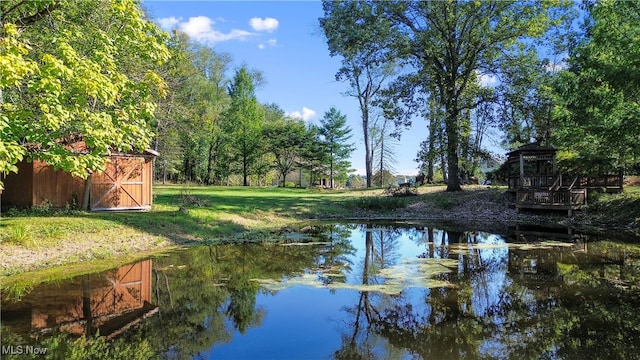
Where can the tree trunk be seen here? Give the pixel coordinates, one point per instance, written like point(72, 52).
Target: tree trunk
point(452, 134)
point(87, 193)
point(453, 183)
point(367, 148)
point(210, 162)
point(431, 155)
point(244, 171)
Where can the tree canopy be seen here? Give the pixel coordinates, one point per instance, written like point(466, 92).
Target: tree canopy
point(598, 103)
point(77, 73)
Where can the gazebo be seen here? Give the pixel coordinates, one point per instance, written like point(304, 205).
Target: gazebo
point(531, 165)
point(533, 177)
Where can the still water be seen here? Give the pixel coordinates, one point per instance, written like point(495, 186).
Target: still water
point(358, 291)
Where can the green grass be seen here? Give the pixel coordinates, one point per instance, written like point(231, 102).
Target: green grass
point(208, 214)
point(180, 215)
point(623, 208)
point(377, 203)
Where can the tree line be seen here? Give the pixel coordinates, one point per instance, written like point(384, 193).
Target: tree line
point(101, 73)
point(213, 130)
point(554, 72)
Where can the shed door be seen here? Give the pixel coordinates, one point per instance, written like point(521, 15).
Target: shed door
point(120, 186)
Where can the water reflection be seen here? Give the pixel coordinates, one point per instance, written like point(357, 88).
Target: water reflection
point(107, 303)
point(364, 291)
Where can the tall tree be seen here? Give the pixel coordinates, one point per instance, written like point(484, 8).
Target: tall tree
point(384, 146)
point(525, 100)
point(76, 71)
point(363, 40)
point(286, 139)
point(598, 93)
point(450, 41)
point(335, 133)
point(174, 112)
point(244, 122)
point(209, 100)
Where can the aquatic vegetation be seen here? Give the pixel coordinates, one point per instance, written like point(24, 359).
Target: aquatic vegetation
point(410, 273)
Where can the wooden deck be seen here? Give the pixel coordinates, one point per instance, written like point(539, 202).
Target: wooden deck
point(606, 183)
point(564, 199)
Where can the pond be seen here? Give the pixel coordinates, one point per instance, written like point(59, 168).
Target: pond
point(345, 291)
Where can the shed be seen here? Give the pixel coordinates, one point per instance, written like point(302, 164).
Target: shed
point(125, 184)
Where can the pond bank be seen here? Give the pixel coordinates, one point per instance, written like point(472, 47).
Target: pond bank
point(51, 240)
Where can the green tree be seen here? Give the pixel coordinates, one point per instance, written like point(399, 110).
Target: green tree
point(210, 100)
point(286, 139)
point(244, 122)
point(363, 40)
point(173, 115)
point(314, 155)
point(76, 71)
point(384, 147)
point(334, 133)
point(525, 100)
point(599, 101)
point(450, 41)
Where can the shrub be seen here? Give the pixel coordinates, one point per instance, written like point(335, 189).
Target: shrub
point(401, 191)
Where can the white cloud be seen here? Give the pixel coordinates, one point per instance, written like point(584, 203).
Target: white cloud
point(169, 23)
point(306, 114)
point(200, 28)
point(270, 42)
point(266, 24)
point(487, 80)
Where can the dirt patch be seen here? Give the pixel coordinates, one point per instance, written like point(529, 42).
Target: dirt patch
point(16, 259)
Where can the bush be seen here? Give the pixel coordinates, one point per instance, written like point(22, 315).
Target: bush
point(401, 191)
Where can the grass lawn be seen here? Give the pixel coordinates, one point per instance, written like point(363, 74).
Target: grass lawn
point(46, 238)
point(43, 238)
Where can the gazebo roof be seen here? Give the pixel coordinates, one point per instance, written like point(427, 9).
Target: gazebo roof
point(533, 148)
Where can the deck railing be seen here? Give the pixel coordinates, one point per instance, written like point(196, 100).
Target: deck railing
point(543, 181)
point(602, 181)
point(543, 197)
point(610, 182)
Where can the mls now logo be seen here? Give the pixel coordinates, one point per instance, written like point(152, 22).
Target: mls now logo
point(20, 350)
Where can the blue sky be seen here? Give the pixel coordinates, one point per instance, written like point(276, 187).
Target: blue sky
point(284, 41)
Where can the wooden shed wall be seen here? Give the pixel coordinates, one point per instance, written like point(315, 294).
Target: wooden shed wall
point(19, 187)
point(37, 183)
point(126, 184)
point(56, 186)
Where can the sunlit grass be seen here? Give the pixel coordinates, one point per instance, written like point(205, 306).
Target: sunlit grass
point(622, 208)
point(210, 214)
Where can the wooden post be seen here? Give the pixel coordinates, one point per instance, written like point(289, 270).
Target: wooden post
point(87, 192)
point(521, 170)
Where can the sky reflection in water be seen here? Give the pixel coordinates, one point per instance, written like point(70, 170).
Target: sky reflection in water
point(374, 291)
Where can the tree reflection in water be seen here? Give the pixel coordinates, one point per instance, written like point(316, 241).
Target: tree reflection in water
point(508, 303)
point(537, 298)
